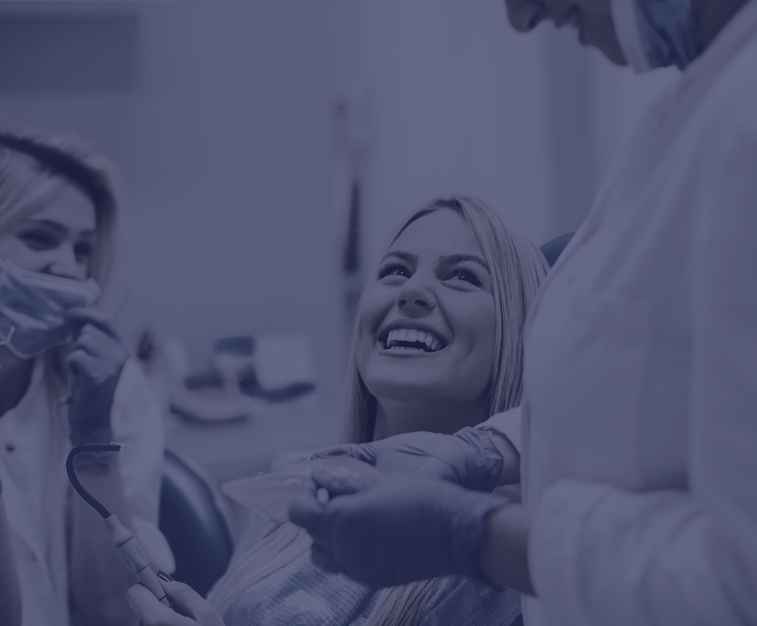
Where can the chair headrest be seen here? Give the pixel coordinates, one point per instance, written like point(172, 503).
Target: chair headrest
point(554, 247)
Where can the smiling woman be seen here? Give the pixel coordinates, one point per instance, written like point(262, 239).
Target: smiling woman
point(461, 275)
point(424, 348)
point(437, 347)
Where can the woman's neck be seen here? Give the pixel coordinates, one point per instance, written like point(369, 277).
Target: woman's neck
point(15, 377)
point(397, 417)
point(711, 16)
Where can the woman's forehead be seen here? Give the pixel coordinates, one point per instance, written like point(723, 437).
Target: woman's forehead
point(441, 232)
point(68, 206)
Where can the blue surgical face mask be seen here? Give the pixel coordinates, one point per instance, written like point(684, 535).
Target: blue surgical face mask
point(656, 33)
point(33, 308)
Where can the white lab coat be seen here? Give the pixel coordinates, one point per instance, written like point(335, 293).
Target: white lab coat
point(36, 488)
point(640, 406)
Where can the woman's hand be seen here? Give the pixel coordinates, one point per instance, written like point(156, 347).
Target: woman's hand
point(96, 361)
point(197, 610)
point(471, 458)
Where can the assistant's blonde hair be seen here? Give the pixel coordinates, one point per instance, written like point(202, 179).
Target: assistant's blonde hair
point(31, 165)
point(517, 268)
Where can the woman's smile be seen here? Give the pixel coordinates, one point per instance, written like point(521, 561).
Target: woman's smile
point(409, 338)
point(427, 320)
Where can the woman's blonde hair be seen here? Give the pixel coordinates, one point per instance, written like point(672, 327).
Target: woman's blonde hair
point(517, 268)
point(31, 165)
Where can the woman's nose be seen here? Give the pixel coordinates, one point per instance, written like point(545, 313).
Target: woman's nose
point(525, 15)
point(416, 295)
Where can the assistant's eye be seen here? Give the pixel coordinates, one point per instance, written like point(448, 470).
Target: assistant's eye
point(464, 275)
point(38, 239)
point(393, 269)
point(83, 251)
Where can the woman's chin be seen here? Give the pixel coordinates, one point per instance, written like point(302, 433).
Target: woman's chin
point(406, 389)
point(408, 378)
point(408, 369)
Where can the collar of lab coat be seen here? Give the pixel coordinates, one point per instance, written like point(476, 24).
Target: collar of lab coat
point(735, 34)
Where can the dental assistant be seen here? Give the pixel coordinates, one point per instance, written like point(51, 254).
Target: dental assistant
point(637, 428)
point(67, 379)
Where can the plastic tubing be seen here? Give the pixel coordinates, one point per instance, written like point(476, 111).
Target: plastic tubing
point(123, 540)
point(88, 497)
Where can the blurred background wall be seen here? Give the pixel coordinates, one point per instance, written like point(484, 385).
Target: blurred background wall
point(240, 126)
point(218, 116)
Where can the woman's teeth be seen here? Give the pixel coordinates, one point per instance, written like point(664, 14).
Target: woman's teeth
point(408, 340)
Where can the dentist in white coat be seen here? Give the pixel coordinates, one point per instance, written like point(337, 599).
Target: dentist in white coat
point(639, 422)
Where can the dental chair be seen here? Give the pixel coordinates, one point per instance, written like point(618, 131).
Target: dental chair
point(554, 247)
point(193, 525)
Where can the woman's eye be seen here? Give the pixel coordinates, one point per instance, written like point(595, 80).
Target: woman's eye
point(466, 276)
point(393, 269)
point(83, 251)
point(38, 239)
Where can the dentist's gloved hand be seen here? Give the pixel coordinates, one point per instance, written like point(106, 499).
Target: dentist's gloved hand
point(387, 530)
point(95, 362)
point(196, 610)
point(468, 458)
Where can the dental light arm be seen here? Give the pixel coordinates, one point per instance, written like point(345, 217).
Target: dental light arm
point(123, 539)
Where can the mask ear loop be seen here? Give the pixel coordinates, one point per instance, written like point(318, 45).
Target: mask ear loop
point(7, 340)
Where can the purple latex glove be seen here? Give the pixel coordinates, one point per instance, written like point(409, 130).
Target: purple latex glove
point(468, 458)
point(96, 361)
point(388, 530)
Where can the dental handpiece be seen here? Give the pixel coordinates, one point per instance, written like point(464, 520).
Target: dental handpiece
point(123, 539)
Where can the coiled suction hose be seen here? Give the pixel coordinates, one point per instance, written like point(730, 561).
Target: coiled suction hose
point(88, 497)
point(122, 538)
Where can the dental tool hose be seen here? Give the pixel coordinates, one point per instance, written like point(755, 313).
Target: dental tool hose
point(123, 539)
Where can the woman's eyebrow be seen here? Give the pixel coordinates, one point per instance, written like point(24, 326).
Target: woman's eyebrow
point(451, 259)
point(57, 227)
point(405, 256)
point(49, 224)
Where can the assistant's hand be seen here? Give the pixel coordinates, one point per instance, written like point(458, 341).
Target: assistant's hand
point(386, 530)
point(198, 611)
point(95, 362)
point(469, 458)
